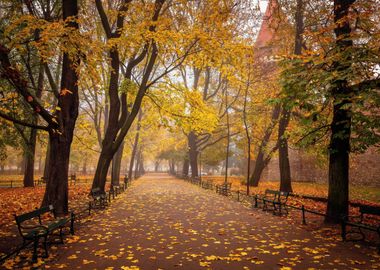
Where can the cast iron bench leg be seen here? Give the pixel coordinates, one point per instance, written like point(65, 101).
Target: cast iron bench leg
point(35, 245)
point(46, 246)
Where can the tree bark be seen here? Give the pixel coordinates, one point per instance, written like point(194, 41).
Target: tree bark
point(116, 164)
point(135, 145)
point(47, 162)
point(258, 169)
point(137, 163)
point(339, 148)
point(31, 141)
point(228, 137)
point(283, 152)
point(193, 153)
point(141, 166)
point(261, 160)
point(56, 192)
point(185, 167)
point(246, 128)
point(30, 155)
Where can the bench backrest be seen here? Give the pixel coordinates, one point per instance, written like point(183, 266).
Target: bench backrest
point(371, 210)
point(280, 196)
point(283, 196)
point(97, 192)
point(271, 191)
point(35, 213)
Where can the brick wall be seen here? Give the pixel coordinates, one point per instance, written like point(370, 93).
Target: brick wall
point(364, 168)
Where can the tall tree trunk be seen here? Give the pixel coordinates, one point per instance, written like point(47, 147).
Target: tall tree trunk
point(56, 192)
point(246, 128)
point(261, 160)
point(258, 169)
point(137, 163)
point(22, 163)
point(31, 141)
point(156, 165)
point(141, 166)
point(47, 162)
point(283, 152)
point(193, 153)
point(228, 138)
point(185, 167)
point(135, 145)
point(116, 164)
point(119, 125)
point(108, 152)
point(339, 149)
point(30, 154)
point(39, 163)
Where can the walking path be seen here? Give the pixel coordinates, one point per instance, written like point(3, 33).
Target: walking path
point(165, 223)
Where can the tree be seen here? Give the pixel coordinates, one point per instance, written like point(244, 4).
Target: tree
point(338, 92)
point(60, 124)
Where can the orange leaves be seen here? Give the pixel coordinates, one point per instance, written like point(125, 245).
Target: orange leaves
point(65, 91)
point(169, 224)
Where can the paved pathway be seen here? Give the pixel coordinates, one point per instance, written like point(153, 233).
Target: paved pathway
point(165, 223)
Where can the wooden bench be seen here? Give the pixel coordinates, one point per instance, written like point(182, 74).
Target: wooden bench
point(357, 223)
point(224, 189)
point(273, 200)
point(99, 199)
point(32, 227)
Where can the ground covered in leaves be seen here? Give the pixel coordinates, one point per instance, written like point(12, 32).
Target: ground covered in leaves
point(166, 223)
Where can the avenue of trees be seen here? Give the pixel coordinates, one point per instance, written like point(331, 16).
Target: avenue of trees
point(112, 84)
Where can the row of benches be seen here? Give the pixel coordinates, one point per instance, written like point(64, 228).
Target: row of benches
point(277, 202)
point(101, 199)
point(43, 222)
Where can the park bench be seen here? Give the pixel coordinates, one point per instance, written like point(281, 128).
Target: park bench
point(99, 199)
point(273, 200)
point(32, 226)
point(207, 184)
point(40, 181)
point(196, 181)
point(358, 224)
point(115, 190)
point(224, 189)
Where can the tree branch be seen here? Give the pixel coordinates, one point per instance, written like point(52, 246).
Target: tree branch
point(22, 123)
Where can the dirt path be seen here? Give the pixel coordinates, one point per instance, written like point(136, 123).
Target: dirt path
point(165, 223)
